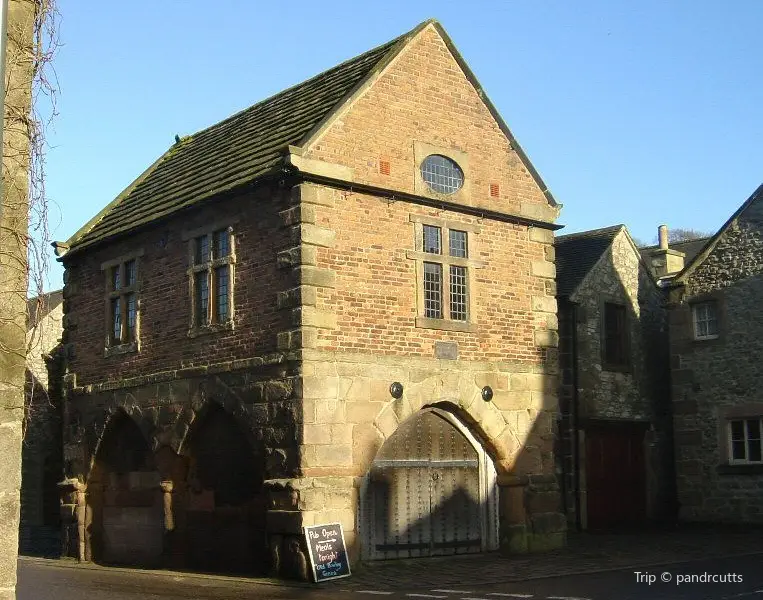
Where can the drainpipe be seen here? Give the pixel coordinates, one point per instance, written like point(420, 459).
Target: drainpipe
point(574, 418)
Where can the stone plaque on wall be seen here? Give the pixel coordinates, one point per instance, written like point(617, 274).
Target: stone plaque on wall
point(446, 350)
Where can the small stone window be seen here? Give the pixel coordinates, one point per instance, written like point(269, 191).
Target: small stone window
point(705, 319)
point(745, 441)
point(122, 305)
point(442, 174)
point(615, 352)
point(211, 280)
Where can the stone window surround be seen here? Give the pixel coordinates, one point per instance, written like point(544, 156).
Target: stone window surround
point(420, 151)
point(726, 414)
point(420, 257)
point(134, 345)
point(624, 368)
point(189, 236)
point(720, 306)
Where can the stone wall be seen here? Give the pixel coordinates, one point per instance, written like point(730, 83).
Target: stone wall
point(714, 380)
point(169, 409)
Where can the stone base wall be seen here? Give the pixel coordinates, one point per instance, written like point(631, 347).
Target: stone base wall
point(348, 413)
point(168, 408)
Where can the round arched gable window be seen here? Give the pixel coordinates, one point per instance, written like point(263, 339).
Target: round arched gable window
point(442, 174)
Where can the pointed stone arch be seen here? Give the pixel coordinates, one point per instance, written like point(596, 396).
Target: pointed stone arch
point(225, 518)
point(124, 502)
point(431, 489)
point(113, 414)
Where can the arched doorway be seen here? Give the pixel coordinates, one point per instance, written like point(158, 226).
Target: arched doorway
point(430, 491)
point(225, 511)
point(125, 501)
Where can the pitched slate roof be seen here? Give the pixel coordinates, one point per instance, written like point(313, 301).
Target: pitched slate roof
point(235, 151)
point(577, 253)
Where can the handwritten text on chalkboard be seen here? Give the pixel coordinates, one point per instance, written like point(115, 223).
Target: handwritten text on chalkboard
point(328, 555)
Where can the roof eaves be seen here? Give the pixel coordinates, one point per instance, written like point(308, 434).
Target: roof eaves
point(234, 187)
point(590, 233)
point(87, 227)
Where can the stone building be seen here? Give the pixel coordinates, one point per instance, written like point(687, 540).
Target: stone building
point(716, 341)
point(42, 463)
point(335, 306)
point(614, 447)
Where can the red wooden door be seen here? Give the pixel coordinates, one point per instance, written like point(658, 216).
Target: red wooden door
point(615, 475)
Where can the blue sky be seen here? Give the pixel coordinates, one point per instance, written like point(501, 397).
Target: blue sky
point(640, 113)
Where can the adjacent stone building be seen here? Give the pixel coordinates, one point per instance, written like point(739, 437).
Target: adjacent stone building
point(716, 344)
point(614, 446)
point(335, 306)
point(42, 462)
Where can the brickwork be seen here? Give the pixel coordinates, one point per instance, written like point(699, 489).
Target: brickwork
point(165, 305)
point(717, 379)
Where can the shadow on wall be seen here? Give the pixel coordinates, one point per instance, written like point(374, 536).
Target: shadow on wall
point(615, 429)
point(432, 488)
point(42, 466)
point(214, 521)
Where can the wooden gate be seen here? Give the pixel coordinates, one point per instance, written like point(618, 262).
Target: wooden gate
point(425, 492)
point(615, 475)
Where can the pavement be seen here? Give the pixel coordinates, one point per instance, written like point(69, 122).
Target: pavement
point(585, 553)
point(592, 567)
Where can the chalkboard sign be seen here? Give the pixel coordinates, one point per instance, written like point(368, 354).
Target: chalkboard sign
point(328, 555)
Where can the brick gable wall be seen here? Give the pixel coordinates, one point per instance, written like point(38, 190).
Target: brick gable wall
point(424, 95)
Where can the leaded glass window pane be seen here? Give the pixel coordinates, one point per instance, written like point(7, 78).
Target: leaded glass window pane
point(116, 319)
point(202, 297)
point(432, 239)
point(221, 243)
point(441, 174)
point(432, 290)
point(457, 243)
point(132, 315)
point(116, 278)
point(201, 252)
point(130, 273)
point(221, 294)
point(457, 293)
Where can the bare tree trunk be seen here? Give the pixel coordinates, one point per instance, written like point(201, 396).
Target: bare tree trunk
point(14, 214)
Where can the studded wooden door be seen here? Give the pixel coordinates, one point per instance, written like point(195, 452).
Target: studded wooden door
point(425, 491)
